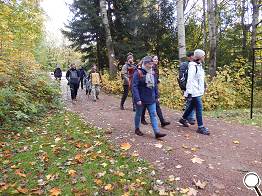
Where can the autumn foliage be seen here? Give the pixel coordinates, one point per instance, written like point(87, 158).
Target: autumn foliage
point(25, 91)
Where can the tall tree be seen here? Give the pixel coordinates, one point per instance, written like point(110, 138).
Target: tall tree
point(109, 42)
point(181, 29)
point(255, 15)
point(212, 28)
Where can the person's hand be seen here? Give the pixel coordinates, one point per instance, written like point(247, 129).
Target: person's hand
point(157, 100)
point(189, 97)
point(139, 103)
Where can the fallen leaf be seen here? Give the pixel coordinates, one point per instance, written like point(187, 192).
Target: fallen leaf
point(109, 187)
point(184, 146)
point(72, 172)
point(3, 186)
point(19, 173)
point(179, 166)
point(37, 192)
point(236, 142)
point(192, 192)
point(98, 182)
point(55, 191)
point(171, 178)
point(125, 146)
point(163, 192)
point(158, 145)
point(183, 191)
point(79, 158)
point(200, 184)
point(22, 190)
point(197, 160)
point(57, 139)
point(194, 149)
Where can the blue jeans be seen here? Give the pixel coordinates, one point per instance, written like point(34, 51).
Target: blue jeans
point(152, 113)
point(190, 117)
point(196, 104)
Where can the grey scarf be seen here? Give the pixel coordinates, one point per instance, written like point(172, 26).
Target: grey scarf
point(150, 79)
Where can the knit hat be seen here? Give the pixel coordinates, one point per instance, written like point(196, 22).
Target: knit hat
point(147, 59)
point(198, 53)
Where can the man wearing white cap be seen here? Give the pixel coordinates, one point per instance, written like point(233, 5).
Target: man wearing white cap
point(195, 89)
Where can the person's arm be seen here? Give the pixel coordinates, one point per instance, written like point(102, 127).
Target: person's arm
point(67, 75)
point(135, 90)
point(190, 78)
point(100, 77)
point(156, 88)
point(124, 72)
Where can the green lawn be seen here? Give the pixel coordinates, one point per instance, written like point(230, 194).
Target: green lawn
point(62, 155)
point(238, 115)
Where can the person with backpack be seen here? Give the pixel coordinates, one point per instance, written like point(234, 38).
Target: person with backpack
point(73, 77)
point(183, 73)
point(127, 72)
point(195, 88)
point(145, 92)
point(82, 76)
point(158, 109)
point(58, 72)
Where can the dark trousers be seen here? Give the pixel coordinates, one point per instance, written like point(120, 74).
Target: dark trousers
point(124, 96)
point(82, 83)
point(158, 111)
point(74, 89)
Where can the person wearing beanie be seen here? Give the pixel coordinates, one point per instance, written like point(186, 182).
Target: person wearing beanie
point(58, 72)
point(195, 88)
point(127, 75)
point(145, 92)
point(158, 108)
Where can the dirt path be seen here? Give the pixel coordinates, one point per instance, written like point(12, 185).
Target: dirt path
point(225, 162)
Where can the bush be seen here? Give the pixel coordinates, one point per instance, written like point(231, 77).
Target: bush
point(23, 100)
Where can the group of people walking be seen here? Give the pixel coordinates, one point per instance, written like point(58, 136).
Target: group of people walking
point(78, 78)
point(142, 81)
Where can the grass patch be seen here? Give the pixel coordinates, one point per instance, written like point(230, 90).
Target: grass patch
point(62, 155)
point(238, 115)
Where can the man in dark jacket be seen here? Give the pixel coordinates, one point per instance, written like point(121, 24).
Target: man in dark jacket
point(82, 76)
point(58, 72)
point(73, 77)
point(145, 92)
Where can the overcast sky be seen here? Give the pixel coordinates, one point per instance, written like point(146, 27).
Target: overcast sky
point(57, 13)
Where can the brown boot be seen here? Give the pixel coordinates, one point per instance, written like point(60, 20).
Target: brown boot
point(138, 132)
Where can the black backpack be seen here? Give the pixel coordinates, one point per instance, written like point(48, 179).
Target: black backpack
point(183, 75)
point(74, 77)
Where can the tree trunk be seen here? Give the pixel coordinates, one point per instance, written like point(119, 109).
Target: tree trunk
point(181, 29)
point(212, 28)
point(244, 29)
point(204, 26)
point(254, 23)
point(109, 42)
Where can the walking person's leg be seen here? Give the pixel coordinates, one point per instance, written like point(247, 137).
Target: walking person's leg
point(82, 84)
point(76, 89)
point(93, 92)
point(123, 99)
point(97, 91)
point(199, 116)
point(152, 113)
point(143, 117)
point(72, 89)
point(160, 115)
point(190, 118)
point(138, 113)
point(188, 110)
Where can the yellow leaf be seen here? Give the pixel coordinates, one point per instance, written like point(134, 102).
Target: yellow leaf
point(79, 158)
point(192, 192)
point(125, 146)
point(197, 160)
point(19, 173)
point(236, 142)
point(22, 190)
point(55, 191)
point(109, 187)
point(98, 182)
point(200, 184)
point(72, 172)
point(183, 191)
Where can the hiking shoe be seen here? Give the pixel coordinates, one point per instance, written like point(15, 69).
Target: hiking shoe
point(138, 132)
point(122, 107)
point(203, 130)
point(165, 123)
point(183, 122)
point(191, 122)
point(159, 135)
point(134, 109)
point(144, 122)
